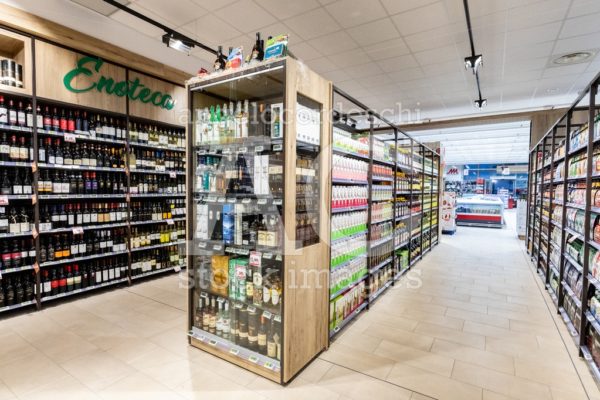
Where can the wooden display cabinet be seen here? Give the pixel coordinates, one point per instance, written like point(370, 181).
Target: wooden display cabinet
point(258, 205)
point(17, 47)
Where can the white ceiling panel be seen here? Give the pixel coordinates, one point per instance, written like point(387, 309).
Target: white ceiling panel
point(398, 63)
point(313, 24)
point(387, 49)
point(286, 8)
point(579, 26)
point(349, 13)
point(395, 6)
point(374, 32)
point(304, 51)
point(178, 12)
point(350, 58)
point(421, 19)
point(245, 15)
point(333, 43)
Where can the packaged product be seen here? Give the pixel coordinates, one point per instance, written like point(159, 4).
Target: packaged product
point(219, 283)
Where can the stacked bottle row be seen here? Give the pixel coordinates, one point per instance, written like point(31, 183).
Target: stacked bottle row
point(55, 119)
point(239, 323)
point(81, 155)
point(348, 224)
point(349, 169)
point(17, 289)
point(349, 196)
point(154, 260)
point(381, 212)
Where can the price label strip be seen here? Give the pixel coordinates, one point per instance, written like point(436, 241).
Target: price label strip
point(234, 351)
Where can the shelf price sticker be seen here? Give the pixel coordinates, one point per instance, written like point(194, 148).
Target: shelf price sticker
point(172, 174)
point(3, 200)
point(227, 150)
point(78, 230)
point(202, 245)
point(246, 201)
point(34, 167)
point(258, 149)
point(231, 200)
point(221, 200)
point(278, 202)
point(212, 342)
point(269, 365)
point(36, 267)
point(170, 222)
point(253, 359)
point(243, 150)
point(235, 351)
point(69, 137)
point(277, 147)
point(34, 199)
point(261, 201)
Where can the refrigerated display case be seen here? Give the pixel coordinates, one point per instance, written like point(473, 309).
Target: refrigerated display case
point(483, 211)
point(258, 206)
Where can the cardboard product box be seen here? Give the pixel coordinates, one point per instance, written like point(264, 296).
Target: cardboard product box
point(228, 224)
point(220, 273)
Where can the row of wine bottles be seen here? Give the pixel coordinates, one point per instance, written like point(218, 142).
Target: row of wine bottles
point(15, 113)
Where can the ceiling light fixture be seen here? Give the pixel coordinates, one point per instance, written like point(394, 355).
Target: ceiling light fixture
point(573, 58)
point(474, 61)
point(480, 103)
point(177, 42)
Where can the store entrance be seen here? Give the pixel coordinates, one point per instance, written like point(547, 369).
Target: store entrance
point(485, 175)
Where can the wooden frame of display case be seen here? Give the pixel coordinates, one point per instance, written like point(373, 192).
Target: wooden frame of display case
point(304, 307)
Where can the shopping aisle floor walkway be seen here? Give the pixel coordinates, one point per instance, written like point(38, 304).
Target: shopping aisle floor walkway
point(471, 322)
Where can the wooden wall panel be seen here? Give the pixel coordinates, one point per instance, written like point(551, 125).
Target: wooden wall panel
point(54, 62)
point(17, 47)
point(176, 116)
point(306, 292)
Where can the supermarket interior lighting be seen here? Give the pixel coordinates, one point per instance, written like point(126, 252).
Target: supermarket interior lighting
point(173, 41)
point(473, 62)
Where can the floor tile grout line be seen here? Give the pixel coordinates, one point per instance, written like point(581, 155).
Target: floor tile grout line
point(379, 379)
point(154, 300)
point(538, 283)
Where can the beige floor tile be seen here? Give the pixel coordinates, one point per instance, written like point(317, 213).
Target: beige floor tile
point(359, 341)
point(67, 388)
point(35, 371)
point(64, 346)
point(425, 360)
point(98, 370)
point(367, 363)
point(5, 392)
point(461, 305)
point(418, 396)
point(296, 390)
point(472, 355)
point(399, 336)
point(495, 332)
point(315, 371)
point(559, 375)
point(498, 382)
point(432, 385)
point(452, 335)
point(353, 385)
point(478, 317)
point(488, 395)
point(138, 386)
point(376, 317)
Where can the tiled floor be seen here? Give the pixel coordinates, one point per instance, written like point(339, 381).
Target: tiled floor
point(469, 323)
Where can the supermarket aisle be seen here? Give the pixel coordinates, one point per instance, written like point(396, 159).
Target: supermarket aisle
point(475, 327)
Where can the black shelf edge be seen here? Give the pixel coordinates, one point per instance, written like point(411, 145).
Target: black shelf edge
point(340, 292)
point(346, 263)
point(79, 259)
point(380, 291)
point(380, 265)
point(158, 246)
point(347, 320)
point(80, 196)
point(80, 135)
point(349, 209)
point(155, 272)
point(17, 306)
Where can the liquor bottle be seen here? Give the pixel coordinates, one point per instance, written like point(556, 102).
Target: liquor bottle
point(3, 115)
point(262, 335)
point(4, 148)
point(252, 329)
point(39, 117)
point(55, 120)
point(12, 114)
point(29, 116)
point(219, 64)
point(21, 118)
point(6, 186)
point(14, 151)
point(3, 220)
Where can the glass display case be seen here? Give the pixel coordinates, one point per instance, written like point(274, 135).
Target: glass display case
point(258, 234)
point(484, 211)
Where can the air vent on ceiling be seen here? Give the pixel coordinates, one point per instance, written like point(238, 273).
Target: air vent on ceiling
point(100, 6)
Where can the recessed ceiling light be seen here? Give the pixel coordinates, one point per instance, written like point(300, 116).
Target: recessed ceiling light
point(574, 58)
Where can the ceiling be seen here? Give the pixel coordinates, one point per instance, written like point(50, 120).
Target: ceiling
point(390, 54)
point(481, 144)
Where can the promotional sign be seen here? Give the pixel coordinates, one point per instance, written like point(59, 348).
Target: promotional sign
point(448, 214)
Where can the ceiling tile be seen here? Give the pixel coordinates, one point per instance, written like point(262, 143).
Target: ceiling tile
point(177, 13)
point(313, 24)
point(537, 34)
point(245, 15)
point(322, 65)
point(375, 81)
point(421, 19)
point(374, 32)
point(304, 51)
point(409, 74)
point(350, 58)
point(338, 75)
point(541, 12)
point(579, 43)
point(212, 5)
point(539, 50)
point(432, 39)
point(212, 30)
point(332, 43)
point(359, 71)
point(583, 7)
point(349, 13)
point(570, 70)
point(277, 29)
point(135, 23)
point(395, 6)
point(580, 26)
point(387, 49)
point(398, 63)
point(283, 9)
point(440, 55)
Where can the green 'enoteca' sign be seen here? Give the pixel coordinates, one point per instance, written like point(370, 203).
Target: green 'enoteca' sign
point(132, 89)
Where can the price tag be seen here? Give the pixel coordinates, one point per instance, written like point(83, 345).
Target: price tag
point(277, 318)
point(278, 258)
point(34, 167)
point(221, 200)
point(251, 309)
point(172, 174)
point(36, 267)
point(269, 365)
point(202, 245)
point(268, 256)
point(234, 351)
point(277, 202)
point(201, 152)
point(258, 149)
point(212, 342)
point(177, 269)
point(170, 222)
point(253, 359)
point(227, 150)
point(231, 200)
point(78, 230)
point(3, 200)
point(261, 201)
point(217, 247)
point(246, 201)
point(243, 150)
point(277, 147)
point(267, 315)
point(69, 137)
